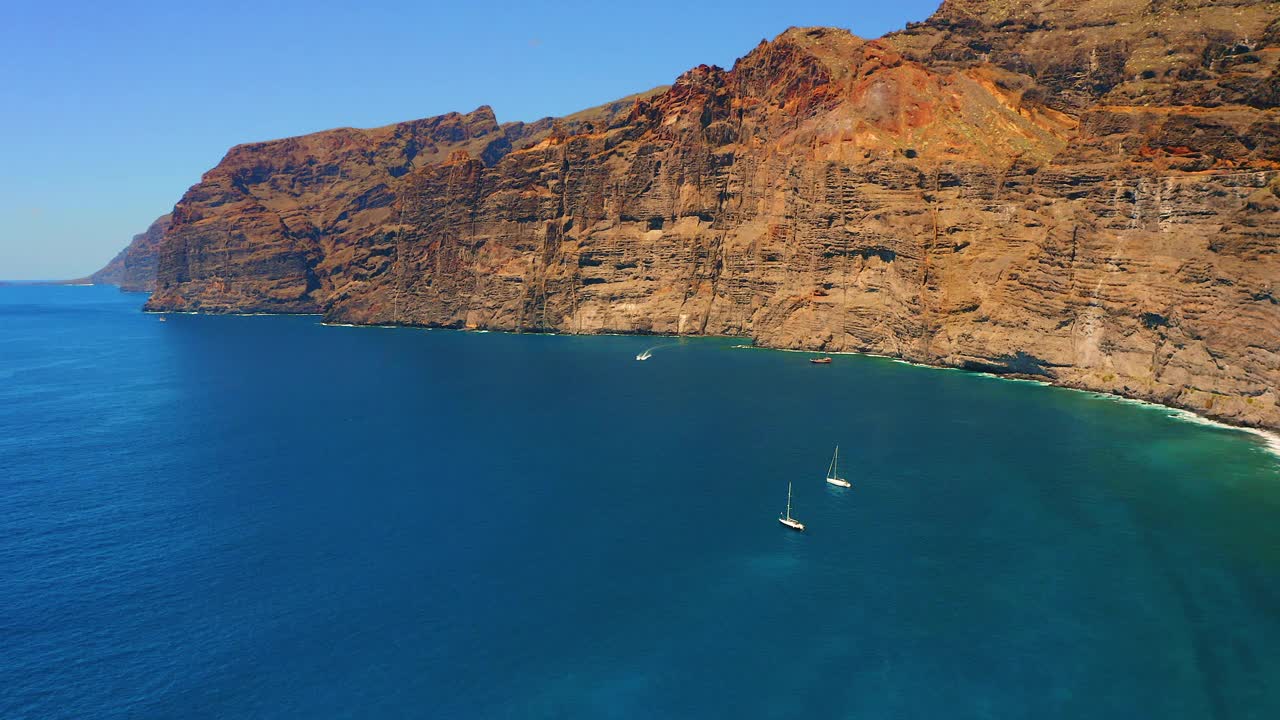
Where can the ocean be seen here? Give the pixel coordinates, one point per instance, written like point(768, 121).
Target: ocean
point(265, 517)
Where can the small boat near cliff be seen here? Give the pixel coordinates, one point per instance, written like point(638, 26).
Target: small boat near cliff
point(833, 471)
point(644, 355)
point(821, 360)
point(786, 518)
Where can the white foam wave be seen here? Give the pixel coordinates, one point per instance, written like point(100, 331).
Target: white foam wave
point(1270, 440)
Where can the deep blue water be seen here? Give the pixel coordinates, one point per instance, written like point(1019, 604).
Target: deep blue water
point(261, 517)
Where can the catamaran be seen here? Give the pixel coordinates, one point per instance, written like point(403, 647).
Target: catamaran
point(787, 519)
point(833, 471)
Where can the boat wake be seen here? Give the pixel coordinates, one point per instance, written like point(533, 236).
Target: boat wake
point(648, 353)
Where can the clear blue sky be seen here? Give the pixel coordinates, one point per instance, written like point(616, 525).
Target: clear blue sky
point(110, 111)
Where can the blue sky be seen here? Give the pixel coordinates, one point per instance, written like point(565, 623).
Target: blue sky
point(112, 110)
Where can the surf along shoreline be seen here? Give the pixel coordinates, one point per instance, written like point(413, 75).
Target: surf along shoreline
point(1268, 436)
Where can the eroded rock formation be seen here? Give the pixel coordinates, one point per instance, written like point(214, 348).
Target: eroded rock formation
point(134, 268)
point(1080, 190)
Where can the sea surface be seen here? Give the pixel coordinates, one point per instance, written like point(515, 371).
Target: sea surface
point(265, 517)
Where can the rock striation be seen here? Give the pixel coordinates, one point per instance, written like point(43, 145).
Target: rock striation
point(134, 268)
point(1084, 191)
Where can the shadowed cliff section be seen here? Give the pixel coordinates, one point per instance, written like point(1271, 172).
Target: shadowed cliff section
point(1083, 191)
point(134, 268)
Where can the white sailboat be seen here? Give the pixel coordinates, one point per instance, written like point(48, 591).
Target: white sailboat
point(787, 519)
point(833, 471)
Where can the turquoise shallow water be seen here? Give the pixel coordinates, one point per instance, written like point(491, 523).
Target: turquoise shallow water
point(256, 517)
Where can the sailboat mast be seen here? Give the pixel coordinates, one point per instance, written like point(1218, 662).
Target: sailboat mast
point(788, 501)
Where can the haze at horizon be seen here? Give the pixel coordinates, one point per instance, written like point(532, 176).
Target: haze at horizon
point(121, 108)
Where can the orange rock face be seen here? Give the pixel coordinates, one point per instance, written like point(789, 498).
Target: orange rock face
point(1084, 191)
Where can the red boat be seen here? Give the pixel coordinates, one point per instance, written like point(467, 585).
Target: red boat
point(820, 361)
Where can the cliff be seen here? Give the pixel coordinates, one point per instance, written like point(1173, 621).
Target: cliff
point(1084, 191)
point(134, 267)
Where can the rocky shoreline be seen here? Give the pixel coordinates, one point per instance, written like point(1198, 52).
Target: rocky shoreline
point(1270, 435)
point(1085, 193)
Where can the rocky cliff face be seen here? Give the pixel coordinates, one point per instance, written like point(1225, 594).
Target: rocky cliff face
point(1080, 190)
point(134, 268)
